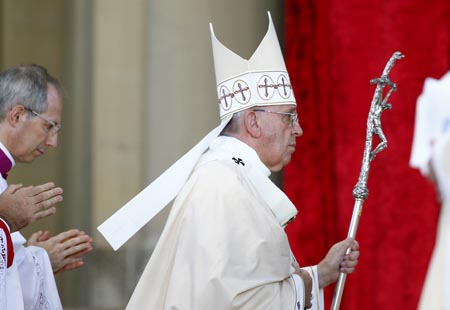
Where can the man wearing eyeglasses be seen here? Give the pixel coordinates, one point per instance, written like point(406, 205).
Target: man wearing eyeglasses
point(30, 118)
point(224, 244)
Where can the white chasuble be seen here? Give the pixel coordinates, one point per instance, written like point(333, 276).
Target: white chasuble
point(222, 246)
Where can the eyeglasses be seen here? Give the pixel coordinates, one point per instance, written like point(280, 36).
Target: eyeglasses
point(52, 127)
point(293, 117)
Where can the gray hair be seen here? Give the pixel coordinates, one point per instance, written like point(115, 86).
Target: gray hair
point(25, 85)
point(234, 125)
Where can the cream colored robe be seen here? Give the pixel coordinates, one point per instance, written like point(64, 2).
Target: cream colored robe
point(436, 290)
point(222, 247)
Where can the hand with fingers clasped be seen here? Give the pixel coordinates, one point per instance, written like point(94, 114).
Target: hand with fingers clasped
point(65, 250)
point(21, 206)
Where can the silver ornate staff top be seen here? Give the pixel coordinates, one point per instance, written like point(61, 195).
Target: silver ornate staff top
point(360, 191)
point(379, 104)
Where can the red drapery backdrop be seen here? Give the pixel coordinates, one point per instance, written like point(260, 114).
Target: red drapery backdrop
point(333, 48)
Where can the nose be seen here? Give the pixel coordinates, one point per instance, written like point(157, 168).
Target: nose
point(52, 140)
point(297, 129)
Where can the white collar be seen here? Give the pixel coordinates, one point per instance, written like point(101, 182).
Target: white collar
point(242, 150)
point(258, 174)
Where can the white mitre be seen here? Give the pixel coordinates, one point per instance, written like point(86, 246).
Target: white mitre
point(241, 84)
point(260, 81)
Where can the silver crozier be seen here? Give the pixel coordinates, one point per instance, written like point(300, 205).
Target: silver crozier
point(360, 191)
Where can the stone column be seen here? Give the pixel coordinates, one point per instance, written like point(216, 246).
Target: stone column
point(119, 100)
point(76, 143)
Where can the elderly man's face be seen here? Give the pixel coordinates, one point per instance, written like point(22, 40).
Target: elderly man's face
point(37, 133)
point(278, 136)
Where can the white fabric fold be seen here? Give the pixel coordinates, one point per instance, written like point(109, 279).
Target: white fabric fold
point(129, 219)
point(280, 205)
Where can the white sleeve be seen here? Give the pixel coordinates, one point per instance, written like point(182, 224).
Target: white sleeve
point(300, 292)
point(317, 293)
point(36, 276)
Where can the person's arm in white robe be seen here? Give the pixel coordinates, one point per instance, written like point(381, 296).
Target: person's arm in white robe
point(36, 276)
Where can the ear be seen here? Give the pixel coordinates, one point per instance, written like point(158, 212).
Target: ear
point(252, 124)
point(15, 115)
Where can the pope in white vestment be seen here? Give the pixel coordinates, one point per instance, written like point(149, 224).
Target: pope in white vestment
point(224, 244)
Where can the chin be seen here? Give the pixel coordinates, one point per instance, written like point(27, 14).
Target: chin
point(28, 160)
point(276, 169)
point(287, 160)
